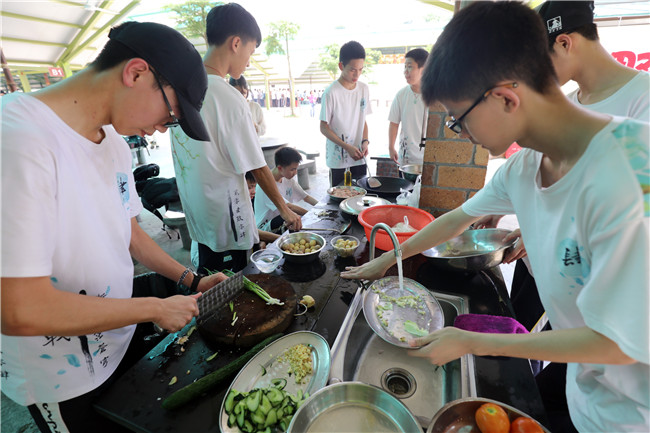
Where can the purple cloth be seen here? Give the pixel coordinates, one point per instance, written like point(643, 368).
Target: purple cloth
point(489, 324)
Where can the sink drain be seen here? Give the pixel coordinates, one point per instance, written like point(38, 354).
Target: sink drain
point(398, 382)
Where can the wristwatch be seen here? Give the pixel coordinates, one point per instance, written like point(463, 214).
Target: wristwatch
point(195, 282)
point(365, 140)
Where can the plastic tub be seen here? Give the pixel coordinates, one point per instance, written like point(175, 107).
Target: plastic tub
point(392, 214)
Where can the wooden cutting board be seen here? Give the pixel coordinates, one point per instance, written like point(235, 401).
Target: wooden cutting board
point(256, 320)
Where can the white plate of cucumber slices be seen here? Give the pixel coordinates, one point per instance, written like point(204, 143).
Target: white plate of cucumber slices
point(274, 383)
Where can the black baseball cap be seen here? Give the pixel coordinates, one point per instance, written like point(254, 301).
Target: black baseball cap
point(565, 16)
point(177, 61)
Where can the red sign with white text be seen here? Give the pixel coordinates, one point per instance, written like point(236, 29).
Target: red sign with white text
point(56, 72)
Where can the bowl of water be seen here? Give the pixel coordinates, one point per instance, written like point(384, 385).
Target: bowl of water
point(266, 260)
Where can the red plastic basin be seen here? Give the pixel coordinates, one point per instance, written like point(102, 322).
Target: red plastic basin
point(392, 214)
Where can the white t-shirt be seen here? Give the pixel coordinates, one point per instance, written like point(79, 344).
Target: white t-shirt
point(67, 205)
point(587, 239)
point(345, 112)
point(408, 110)
point(258, 117)
point(265, 209)
point(210, 174)
point(631, 100)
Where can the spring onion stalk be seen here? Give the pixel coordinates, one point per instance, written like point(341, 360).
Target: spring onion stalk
point(251, 286)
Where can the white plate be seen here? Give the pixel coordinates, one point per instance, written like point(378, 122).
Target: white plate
point(251, 377)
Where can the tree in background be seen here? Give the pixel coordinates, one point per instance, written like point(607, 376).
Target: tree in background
point(191, 17)
point(329, 60)
point(277, 42)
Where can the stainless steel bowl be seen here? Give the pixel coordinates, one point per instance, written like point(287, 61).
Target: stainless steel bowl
point(474, 250)
point(296, 237)
point(353, 407)
point(459, 414)
point(330, 192)
point(411, 171)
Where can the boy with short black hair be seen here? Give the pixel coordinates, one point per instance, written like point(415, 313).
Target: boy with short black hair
point(345, 104)
point(210, 174)
point(605, 85)
point(408, 109)
point(579, 189)
point(267, 216)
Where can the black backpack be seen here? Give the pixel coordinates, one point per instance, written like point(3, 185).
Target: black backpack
point(158, 192)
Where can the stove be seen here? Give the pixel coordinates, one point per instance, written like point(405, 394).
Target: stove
point(302, 272)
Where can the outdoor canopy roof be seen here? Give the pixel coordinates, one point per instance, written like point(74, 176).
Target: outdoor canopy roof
point(37, 35)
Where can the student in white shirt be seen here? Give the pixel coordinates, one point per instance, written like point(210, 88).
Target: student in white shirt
point(267, 216)
point(409, 111)
point(71, 322)
point(579, 189)
point(344, 106)
point(210, 174)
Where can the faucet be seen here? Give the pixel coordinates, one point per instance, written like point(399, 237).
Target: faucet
point(338, 348)
point(385, 227)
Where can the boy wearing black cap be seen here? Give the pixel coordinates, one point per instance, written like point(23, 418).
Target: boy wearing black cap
point(606, 85)
point(579, 189)
point(211, 174)
point(69, 229)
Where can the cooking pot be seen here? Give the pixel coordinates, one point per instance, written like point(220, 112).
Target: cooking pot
point(390, 186)
point(474, 250)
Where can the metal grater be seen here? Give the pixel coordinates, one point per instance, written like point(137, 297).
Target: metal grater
point(218, 296)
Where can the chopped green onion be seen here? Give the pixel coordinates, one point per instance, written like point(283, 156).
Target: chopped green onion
point(251, 286)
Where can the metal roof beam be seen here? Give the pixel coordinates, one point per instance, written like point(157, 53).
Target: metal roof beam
point(70, 54)
point(34, 42)
point(84, 30)
point(40, 20)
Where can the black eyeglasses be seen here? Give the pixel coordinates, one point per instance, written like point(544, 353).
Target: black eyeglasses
point(454, 124)
point(174, 121)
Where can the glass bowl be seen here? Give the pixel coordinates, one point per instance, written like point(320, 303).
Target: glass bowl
point(345, 245)
point(266, 260)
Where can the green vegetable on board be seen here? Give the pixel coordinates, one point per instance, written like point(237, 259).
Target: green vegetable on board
point(251, 286)
point(196, 389)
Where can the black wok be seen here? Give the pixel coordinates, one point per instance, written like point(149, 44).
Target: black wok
point(390, 186)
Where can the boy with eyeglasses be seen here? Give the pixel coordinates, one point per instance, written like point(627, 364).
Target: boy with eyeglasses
point(409, 111)
point(211, 173)
point(580, 190)
point(69, 228)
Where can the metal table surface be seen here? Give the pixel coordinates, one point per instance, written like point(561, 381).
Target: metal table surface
point(134, 400)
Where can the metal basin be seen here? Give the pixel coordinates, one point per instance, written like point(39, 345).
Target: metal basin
point(411, 171)
point(459, 415)
point(290, 238)
point(358, 354)
point(353, 407)
point(473, 250)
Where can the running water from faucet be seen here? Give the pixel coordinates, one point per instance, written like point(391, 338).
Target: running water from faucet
point(400, 274)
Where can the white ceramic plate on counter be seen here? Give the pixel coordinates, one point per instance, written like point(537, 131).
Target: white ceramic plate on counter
point(268, 365)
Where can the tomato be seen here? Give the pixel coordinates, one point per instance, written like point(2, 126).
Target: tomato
point(491, 418)
point(525, 425)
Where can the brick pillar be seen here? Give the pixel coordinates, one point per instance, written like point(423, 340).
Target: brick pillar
point(454, 168)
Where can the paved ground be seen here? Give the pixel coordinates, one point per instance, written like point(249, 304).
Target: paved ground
point(301, 132)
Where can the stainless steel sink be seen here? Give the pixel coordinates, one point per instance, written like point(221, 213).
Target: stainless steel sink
point(358, 354)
